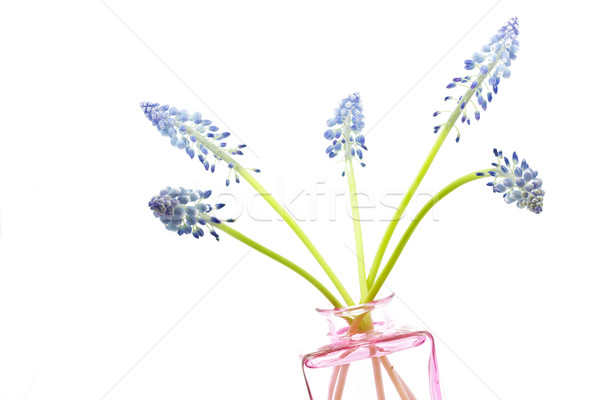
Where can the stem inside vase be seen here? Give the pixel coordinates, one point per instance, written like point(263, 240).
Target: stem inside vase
point(363, 344)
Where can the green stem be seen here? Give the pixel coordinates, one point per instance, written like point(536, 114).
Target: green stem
point(360, 253)
point(421, 174)
point(279, 209)
point(280, 259)
point(413, 225)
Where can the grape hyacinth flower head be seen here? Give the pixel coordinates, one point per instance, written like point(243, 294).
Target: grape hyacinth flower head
point(198, 137)
point(183, 211)
point(518, 182)
point(345, 130)
point(489, 66)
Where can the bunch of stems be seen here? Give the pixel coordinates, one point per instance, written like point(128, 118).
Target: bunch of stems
point(369, 284)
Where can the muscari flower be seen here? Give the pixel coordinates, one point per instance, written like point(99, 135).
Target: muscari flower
point(183, 211)
point(345, 129)
point(492, 62)
point(518, 182)
point(184, 130)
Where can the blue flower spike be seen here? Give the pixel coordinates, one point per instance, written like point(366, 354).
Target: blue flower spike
point(186, 132)
point(345, 130)
point(183, 211)
point(487, 67)
point(518, 182)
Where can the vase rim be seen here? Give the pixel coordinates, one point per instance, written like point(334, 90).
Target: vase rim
point(355, 309)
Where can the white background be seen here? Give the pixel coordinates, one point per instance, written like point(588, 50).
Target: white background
point(90, 282)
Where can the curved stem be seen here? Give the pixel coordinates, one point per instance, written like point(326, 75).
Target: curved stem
point(413, 225)
point(421, 174)
point(270, 253)
point(279, 209)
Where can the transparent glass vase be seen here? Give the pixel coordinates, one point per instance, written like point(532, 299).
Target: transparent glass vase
point(370, 357)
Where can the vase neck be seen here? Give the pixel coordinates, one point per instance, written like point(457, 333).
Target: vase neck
point(361, 319)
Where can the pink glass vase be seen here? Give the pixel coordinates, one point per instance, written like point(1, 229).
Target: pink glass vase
point(369, 357)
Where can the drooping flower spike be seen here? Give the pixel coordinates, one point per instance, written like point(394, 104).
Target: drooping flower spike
point(191, 133)
point(183, 211)
point(345, 129)
point(518, 182)
point(492, 62)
